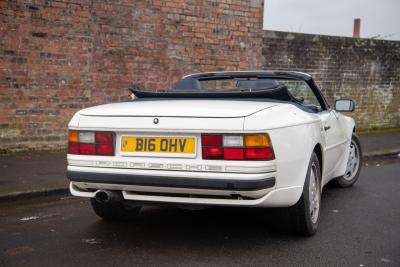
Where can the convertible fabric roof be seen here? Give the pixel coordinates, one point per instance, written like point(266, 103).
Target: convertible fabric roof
point(278, 92)
point(249, 74)
point(274, 93)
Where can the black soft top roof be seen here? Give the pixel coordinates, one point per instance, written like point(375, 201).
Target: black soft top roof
point(275, 92)
point(290, 75)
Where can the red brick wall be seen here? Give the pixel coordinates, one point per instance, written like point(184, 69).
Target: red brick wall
point(57, 57)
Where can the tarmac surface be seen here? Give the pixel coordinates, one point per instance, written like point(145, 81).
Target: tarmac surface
point(360, 226)
point(33, 171)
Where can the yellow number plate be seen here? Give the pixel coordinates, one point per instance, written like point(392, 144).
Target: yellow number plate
point(185, 145)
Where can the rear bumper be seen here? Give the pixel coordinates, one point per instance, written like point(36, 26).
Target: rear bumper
point(198, 188)
point(170, 181)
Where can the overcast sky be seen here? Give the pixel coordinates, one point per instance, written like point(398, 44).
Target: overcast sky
point(378, 17)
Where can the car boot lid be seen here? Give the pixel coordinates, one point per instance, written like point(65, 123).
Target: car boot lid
point(180, 108)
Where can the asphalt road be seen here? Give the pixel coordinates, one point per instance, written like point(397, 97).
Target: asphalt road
point(360, 226)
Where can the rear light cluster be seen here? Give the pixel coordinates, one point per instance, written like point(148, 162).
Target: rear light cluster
point(237, 147)
point(91, 143)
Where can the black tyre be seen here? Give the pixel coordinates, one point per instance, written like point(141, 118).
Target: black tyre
point(304, 215)
point(115, 211)
point(354, 164)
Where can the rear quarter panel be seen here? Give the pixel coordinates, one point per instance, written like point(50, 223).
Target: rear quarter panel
point(294, 134)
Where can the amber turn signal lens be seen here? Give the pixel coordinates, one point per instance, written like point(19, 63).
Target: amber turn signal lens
point(257, 140)
point(73, 136)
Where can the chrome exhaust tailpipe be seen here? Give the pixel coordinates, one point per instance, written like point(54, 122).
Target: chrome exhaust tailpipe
point(105, 196)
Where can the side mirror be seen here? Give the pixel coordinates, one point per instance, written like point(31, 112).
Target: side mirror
point(344, 105)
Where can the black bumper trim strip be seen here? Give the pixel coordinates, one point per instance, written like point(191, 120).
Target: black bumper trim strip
point(168, 181)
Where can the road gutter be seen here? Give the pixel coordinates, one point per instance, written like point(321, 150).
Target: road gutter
point(33, 193)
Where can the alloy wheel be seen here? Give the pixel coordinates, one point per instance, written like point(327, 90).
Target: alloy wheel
point(314, 195)
point(353, 162)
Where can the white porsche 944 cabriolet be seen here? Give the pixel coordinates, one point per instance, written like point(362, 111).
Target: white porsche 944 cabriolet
point(249, 139)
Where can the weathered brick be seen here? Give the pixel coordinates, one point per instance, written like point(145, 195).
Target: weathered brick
point(59, 56)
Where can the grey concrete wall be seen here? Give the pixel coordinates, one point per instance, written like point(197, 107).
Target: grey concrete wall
point(365, 70)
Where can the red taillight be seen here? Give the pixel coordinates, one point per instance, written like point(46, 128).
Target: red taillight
point(91, 143)
point(104, 137)
point(212, 146)
point(87, 149)
point(212, 152)
point(255, 146)
point(264, 153)
point(234, 153)
point(211, 140)
point(105, 150)
point(73, 148)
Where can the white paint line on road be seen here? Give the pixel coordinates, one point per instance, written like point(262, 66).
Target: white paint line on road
point(91, 241)
point(29, 218)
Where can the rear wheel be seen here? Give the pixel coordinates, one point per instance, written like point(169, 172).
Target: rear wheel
point(115, 211)
point(354, 163)
point(304, 215)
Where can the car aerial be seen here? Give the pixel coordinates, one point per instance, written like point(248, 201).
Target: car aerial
point(239, 138)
